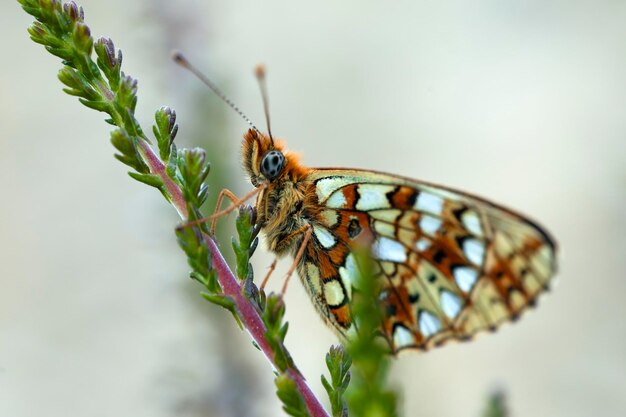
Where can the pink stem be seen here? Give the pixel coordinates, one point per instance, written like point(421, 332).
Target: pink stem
point(230, 285)
point(157, 167)
point(255, 326)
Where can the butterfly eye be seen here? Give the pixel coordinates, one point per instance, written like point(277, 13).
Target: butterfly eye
point(271, 164)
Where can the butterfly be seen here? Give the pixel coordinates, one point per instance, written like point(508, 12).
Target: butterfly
point(450, 264)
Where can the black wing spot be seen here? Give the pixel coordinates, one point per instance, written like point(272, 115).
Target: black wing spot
point(439, 256)
point(460, 240)
point(414, 298)
point(458, 213)
point(412, 199)
point(390, 310)
point(391, 193)
point(354, 228)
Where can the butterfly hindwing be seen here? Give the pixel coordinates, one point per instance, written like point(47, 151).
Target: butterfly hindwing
point(451, 264)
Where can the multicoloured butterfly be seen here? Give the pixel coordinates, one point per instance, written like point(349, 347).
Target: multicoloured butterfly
point(451, 264)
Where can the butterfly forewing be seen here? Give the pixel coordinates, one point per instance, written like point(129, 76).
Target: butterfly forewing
point(450, 264)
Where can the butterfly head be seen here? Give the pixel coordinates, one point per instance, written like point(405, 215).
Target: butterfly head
point(263, 158)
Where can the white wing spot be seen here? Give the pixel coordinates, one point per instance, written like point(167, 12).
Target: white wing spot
point(348, 274)
point(540, 266)
point(384, 229)
point(373, 196)
point(330, 217)
point(324, 236)
point(546, 252)
point(429, 203)
point(474, 249)
point(402, 337)
point(542, 262)
point(430, 224)
point(386, 249)
point(450, 303)
point(422, 244)
point(465, 277)
point(326, 186)
point(471, 221)
point(503, 246)
point(313, 278)
point(336, 200)
point(387, 215)
point(429, 323)
point(333, 293)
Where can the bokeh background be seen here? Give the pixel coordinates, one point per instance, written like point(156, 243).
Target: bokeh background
point(520, 101)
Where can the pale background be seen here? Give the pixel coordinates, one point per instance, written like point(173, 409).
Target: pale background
point(520, 101)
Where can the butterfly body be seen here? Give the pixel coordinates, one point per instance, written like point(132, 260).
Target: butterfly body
point(281, 205)
point(450, 264)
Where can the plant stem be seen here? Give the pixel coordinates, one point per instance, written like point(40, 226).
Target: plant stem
point(157, 167)
point(230, 285)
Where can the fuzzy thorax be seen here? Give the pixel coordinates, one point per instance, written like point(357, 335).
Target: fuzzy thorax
point(284, 206)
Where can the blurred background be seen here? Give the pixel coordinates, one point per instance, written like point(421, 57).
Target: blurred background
point(521, 102)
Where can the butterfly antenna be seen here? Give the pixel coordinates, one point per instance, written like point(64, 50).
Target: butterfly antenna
point(259, 72)
point(180, 59)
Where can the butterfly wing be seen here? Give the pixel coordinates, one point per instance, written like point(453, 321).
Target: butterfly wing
point(451, 264)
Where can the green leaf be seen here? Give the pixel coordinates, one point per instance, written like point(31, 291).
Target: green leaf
point(148, 179)
point(368, 394)
point(247, 238)
point(102, 106)
point(125, 143)
point(293, 403)
point(193, 169)
point(272, 316)
point(191, 241)
point(496, 406)
point(224, 301)
point(338, 362)
point(198, 277)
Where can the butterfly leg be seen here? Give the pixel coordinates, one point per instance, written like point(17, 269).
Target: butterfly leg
point(236, 202)
point(308, 231)
point(269, 272)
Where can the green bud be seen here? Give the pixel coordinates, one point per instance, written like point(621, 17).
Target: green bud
point(31, 7)
point(38, 33)
point(194, 170)
point(108, 62)
point(74, 12)
point(49, 5)
point(79, 86)
point(165, 130)
point(82, 38)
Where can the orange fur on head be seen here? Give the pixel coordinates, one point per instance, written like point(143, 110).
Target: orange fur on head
point(256, 145)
